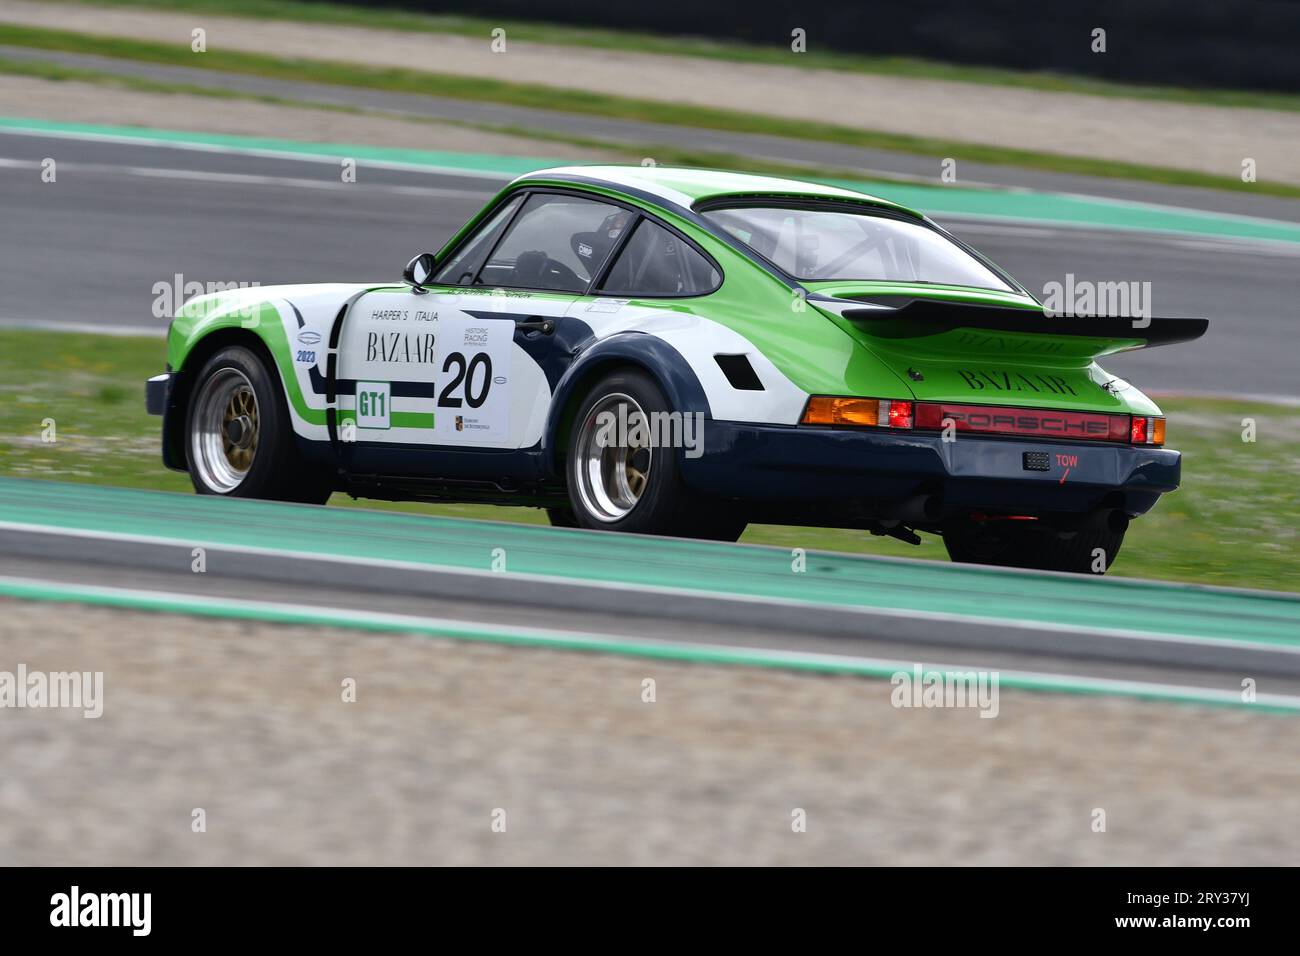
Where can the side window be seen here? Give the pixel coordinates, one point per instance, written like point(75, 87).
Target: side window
point(657, 262)
point(461, 268)
point(556, 242)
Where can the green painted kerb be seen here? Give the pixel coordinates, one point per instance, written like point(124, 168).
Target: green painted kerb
point(952, 595)
point(938, 201)
point(358, 620)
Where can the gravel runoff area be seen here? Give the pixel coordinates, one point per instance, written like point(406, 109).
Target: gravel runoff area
point(73, 101)
point(1211, 139)
point(248, 722)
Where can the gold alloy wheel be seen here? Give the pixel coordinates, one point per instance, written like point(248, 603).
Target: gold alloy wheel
point(225, 430)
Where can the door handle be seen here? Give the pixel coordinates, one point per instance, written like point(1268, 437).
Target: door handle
point(535, 323)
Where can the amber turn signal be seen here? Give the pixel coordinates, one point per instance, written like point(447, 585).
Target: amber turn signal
point(839, 410)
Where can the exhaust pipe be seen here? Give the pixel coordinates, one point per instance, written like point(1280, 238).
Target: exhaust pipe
point(920, 508)
point(1109, 519)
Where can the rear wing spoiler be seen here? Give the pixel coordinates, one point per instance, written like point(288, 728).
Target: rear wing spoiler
point(921, 317)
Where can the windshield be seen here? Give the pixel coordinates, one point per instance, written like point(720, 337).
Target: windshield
point(817, 245)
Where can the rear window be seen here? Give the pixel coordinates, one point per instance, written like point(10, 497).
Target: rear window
point(818, 245)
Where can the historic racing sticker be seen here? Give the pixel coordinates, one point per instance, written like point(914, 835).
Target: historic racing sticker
point(472, 380)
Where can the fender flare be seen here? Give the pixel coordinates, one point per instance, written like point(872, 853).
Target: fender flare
point(667, 366)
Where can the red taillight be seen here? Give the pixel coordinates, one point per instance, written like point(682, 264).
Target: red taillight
point(1026, 422)
point(1147, 430)
point(900, 415)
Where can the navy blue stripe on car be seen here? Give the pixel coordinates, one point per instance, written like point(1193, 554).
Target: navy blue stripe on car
point(554, 353)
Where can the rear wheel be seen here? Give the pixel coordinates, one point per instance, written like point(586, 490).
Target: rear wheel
point(239, 441)
point(561, 518)
point(1023, 544)
point(619, 481)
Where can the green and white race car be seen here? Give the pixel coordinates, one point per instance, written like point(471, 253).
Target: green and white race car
point(677, 351)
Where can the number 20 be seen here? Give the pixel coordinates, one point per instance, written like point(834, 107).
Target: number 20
point(465, 373)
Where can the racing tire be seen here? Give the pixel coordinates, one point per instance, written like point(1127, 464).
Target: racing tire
point(627, 485)
point(1021, 544)
point(561, 518)
point(238, 438)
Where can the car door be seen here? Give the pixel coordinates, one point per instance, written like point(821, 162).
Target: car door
point(469, 362)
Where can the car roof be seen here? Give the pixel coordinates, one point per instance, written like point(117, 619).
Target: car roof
point(683, 186)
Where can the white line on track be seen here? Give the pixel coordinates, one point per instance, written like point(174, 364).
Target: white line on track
point(1241, 245)
point(998, 229)
point(53, 325)
point(177, 602)
point(264, 152)
point(1250, 247)
point(1290, 401)
point(1244, 246)
point(667, 590)
point(250, 179)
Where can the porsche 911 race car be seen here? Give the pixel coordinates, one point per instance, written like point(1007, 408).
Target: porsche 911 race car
point(679, 351)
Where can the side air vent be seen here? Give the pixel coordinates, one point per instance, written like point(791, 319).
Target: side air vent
point(739, 372)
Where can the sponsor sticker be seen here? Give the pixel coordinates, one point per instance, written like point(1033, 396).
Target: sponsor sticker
point(999, 380)
point(471, 379)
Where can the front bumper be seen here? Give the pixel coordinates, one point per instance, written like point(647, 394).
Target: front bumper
point(158, 393)
point(160, 399)
point(837, 473)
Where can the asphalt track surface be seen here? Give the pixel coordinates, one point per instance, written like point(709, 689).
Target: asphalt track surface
point(867, 162)
point(661, 597)
point(87, 250)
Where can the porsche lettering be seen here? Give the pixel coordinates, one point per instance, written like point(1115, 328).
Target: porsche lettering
point(1026, 423)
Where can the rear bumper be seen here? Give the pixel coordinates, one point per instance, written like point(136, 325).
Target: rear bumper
point(836, 474)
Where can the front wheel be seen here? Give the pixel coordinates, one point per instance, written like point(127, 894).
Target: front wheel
point(621, 479)
point(239, 441)
point(1022, 544)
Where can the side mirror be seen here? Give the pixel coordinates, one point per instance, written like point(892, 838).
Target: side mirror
point(418, 271)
